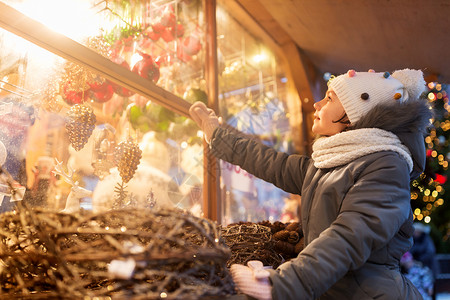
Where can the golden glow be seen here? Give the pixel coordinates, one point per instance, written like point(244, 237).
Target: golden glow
point(445, 125)
point(431, 96)
point(434, 194)
point(427, 219)
point(417, 211)
point(73, 18)
point(259, 57)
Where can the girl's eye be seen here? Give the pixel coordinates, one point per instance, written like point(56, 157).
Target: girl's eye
point(329, 99)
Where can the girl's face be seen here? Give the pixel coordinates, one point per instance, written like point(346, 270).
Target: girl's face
point(328, 111)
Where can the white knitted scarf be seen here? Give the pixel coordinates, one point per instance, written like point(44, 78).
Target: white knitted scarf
point(344, 147)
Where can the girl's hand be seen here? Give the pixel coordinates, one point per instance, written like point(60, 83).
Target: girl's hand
point(205, 118)
point(252, 280)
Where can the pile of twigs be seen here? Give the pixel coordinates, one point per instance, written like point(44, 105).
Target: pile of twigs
point(249, 241)
point(271, 243)
point(118, 254)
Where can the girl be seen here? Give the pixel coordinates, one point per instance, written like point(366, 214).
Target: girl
point(355, 211)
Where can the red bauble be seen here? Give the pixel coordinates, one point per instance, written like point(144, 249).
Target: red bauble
point(118, 89)
point(167, 35)
point(177, 30)
point(153, 35)
point(101, 92)
point(158, 27)
point(147, 68)
point(72, 97)
point(96, 86)
point(192, 45)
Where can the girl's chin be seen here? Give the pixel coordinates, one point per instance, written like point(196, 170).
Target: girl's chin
point(315, 130)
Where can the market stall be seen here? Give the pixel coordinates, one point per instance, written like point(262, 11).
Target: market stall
point(108, 187)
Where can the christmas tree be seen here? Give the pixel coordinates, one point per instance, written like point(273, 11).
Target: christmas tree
point(430, 200)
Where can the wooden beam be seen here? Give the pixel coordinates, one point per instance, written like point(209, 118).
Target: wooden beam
point(264, 19)
point(35, 32)
point(298, 69)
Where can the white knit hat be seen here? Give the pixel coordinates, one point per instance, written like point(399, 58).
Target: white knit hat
point(359, 92)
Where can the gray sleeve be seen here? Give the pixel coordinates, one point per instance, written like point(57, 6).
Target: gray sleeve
point(284, 171)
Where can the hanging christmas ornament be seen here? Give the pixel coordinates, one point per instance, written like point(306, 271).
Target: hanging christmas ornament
point(127, 156)
point(177, 30)
point(103, 151)
point(76, 79)
point(73, 94)
point(80, 124)
point(168, 18)
point(147, 68)
point(167, 35)
point(121, 195)
point(99, 45)
point(191, 45)
point(51, 99)
point(154, 36)
point(195, 94)
point(158, 27)
point(101, 92)
point(151, 200)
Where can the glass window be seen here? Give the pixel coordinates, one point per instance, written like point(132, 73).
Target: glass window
point(65, 126)
point(252, 99)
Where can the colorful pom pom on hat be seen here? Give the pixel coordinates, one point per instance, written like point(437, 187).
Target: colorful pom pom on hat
point(359, 92)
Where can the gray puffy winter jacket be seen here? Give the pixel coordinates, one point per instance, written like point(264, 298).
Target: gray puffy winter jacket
point(356, 218)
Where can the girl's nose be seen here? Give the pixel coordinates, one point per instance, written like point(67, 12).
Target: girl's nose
point(318, 105)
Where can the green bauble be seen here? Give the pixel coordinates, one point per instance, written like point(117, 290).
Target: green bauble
point(194, 94)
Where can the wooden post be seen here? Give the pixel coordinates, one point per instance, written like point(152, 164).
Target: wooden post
point(211, 170)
